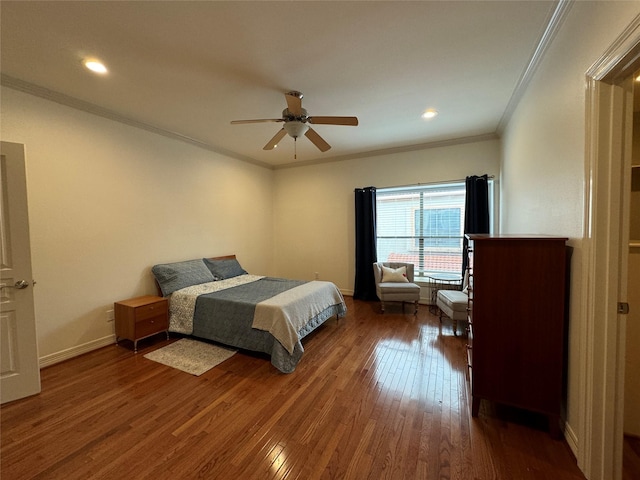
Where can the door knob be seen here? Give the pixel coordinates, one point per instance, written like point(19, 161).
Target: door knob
point(19, 285)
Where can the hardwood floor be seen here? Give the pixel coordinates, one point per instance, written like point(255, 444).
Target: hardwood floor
point(375, 396)
point(631, 458)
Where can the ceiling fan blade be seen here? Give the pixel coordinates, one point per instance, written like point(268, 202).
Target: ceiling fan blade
point(294, 102)
point(274, 141)
point(353, 121)
point(260, 120)
point(317, 140)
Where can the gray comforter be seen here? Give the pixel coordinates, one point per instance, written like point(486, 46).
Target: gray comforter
point(228, 315)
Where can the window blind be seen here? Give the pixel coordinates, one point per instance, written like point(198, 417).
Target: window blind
point(423, 225)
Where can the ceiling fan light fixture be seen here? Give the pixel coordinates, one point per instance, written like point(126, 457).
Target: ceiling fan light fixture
point(296, 128)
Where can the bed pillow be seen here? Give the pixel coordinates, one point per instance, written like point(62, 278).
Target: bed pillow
point(174, 276)
point(224, 268)
point(394, 275)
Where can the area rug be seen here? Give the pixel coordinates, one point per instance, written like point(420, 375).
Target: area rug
point(191, 356)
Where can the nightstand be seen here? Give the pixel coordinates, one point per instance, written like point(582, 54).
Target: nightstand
point(141, 317)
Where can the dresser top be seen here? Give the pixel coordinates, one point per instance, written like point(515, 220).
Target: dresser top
point(512, 236)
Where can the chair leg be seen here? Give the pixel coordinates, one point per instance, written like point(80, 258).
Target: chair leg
point(382, 306)
point(416, 309)
point(455, 327)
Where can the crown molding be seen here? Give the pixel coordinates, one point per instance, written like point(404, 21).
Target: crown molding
point(391, 151)
point(621, 58)
point(553, 26)
point(57, 97)
point(61, 98)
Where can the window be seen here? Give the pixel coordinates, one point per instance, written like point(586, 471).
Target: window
point(423, 225)
point(445, 221)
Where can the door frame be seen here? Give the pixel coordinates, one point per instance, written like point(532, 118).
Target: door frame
point(609, 127)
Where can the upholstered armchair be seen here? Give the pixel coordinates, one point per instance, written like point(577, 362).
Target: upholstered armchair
point(394, 283)
point(453, 304)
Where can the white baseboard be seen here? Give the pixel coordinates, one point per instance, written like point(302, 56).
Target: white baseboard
point(571, 439)
point(63, 355)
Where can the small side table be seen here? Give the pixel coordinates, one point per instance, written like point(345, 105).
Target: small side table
point(141, 317)
point(441, 281)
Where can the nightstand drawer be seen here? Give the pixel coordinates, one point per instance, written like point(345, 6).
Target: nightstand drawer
point(149, 326)
point(152, 310)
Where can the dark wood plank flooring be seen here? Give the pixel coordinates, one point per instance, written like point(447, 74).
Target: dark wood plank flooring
point(375, 396)
point(631, 458)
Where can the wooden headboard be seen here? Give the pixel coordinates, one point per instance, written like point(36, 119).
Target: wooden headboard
point(223, 257)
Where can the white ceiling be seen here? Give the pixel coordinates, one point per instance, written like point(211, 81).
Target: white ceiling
point(189, 68)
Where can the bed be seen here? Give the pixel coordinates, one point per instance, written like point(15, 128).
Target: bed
point(216, 299)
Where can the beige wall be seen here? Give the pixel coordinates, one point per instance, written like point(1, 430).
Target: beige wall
point(314, 205)
point(108, 201)
point(543, 165)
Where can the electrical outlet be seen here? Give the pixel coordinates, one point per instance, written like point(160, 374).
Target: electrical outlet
point(110, 316)
point(317, 276)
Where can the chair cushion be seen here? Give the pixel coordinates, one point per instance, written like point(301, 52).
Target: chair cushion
point(453, 299)
point(399, 288)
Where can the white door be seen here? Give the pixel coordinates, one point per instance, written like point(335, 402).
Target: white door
point(19, 369)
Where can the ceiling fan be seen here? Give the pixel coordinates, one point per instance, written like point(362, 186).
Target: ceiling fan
point(296, 123)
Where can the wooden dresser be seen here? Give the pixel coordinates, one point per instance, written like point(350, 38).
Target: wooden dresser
point(517, 296)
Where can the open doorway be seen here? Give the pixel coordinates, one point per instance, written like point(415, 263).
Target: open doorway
point(631, 423)
point(609, 121)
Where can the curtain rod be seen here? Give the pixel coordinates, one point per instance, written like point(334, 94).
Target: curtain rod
point(490, 177)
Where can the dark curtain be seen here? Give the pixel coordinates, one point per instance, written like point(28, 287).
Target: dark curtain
point(476, 211)
point(366, 256)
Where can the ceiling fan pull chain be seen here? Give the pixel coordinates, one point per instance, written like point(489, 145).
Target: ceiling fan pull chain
point(295, 148)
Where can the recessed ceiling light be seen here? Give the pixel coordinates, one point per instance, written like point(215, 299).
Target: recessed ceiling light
point(95, 66)
point(638, 78)
point(430, 113)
